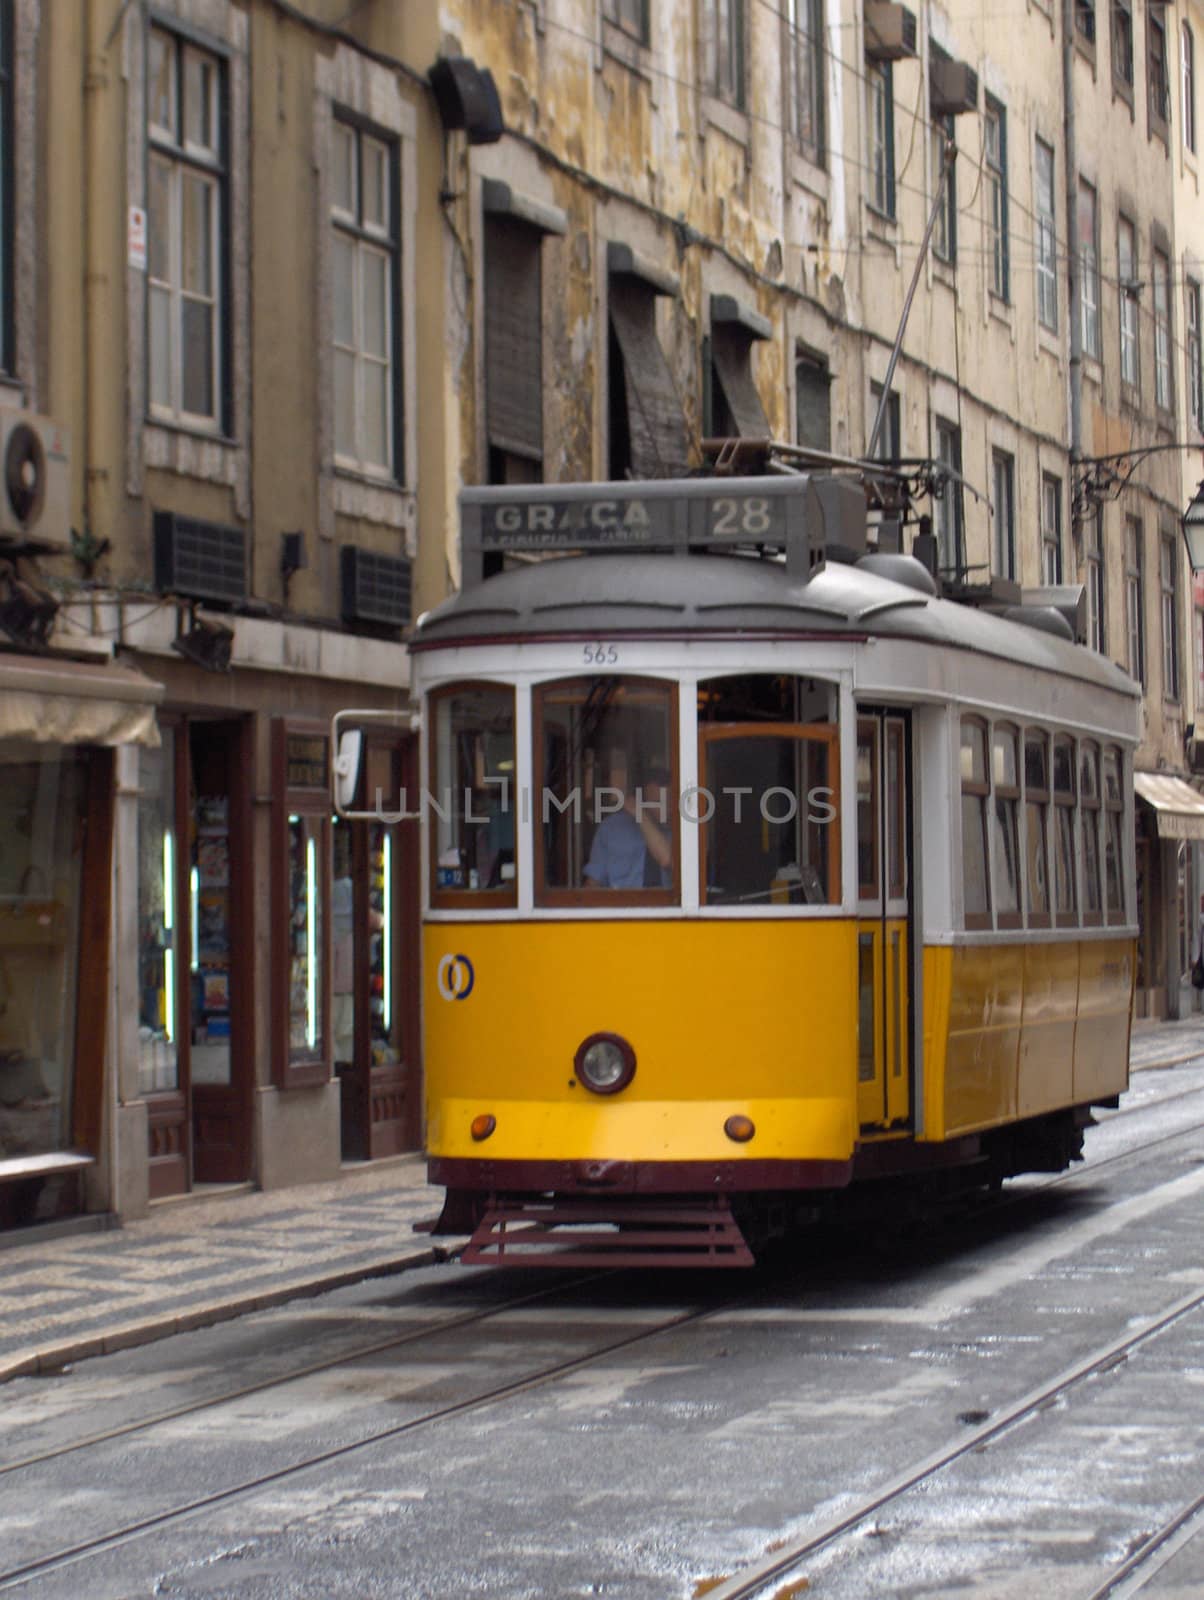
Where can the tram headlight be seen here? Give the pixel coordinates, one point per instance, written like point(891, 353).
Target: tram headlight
point(605, 1063)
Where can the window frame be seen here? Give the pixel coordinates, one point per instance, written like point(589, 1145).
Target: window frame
point(637, 30)
point(1123, 51)
point(298, 1069)
point(1090, 323)
point(725, 53)
point(1094, 556)
point(171, 147)
point(1089, 810)
point(1164, 383)
point(1047, 236)
point(442, 898)
point(1037, 798)
point(1134, 579)
point(1168, 583)
point(806, 56)
point(1003, 459)
point(1112, 810)
point(892, 423)
point(1009, 795)
point(8, 184)
point(546, 897)
point(1067, 801)
point(386, 241)
point(995, 160)
point(1158, 75)
point(1051, 529)
point(1128, 320)
point(880, 136)
point(947, 511)
point(1187, 85)
point(1195, 356)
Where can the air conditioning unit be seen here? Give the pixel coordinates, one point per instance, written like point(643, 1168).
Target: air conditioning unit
point(376, 588)
point(200, 560)
point(1195, 756)
point(890, 31)
point(952, 87)
point(35, 482)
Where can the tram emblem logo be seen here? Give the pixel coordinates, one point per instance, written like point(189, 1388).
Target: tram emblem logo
point(455, 977)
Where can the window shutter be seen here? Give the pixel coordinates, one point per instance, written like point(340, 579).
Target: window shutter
point(659, 447)
point(513, 339)
point(814, 405)
point(731, 353)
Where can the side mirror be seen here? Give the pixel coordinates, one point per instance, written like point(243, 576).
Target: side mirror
point(347, 768)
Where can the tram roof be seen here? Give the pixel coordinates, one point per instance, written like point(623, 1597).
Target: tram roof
point(705, 594)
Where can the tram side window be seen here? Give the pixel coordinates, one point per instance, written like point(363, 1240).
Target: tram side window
point(606, 805)
point(1114, 810)
point(769, 802)
point(472, 802)
point(1036, 813)
point(976, 790)
point(1006, 825)
point(1065, 881)
point(1089, 815)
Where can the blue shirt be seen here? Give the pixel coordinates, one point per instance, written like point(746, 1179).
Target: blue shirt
point(619, 855)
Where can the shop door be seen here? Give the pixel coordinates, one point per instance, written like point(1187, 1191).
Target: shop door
point(884, 948)
point(220, 1037)
point(196, 1063)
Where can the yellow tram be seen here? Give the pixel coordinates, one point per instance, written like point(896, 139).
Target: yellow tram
point(754, 870)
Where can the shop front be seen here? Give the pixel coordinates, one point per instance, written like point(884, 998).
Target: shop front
point(1170, 823)
point(60, 724)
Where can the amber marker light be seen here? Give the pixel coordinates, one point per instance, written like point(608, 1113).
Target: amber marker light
point(483, 1126)
point(741, 1129)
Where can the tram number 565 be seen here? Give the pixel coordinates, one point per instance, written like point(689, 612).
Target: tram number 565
point(600, 655)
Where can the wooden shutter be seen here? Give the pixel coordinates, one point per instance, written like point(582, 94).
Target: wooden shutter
point(731, 355)
point(659, 446)
point(513, 339)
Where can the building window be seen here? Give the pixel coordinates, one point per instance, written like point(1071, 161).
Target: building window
point(646, 429)
point(813, 403)
point(7, 177)
point(1159, 70)
point(947, 508)
point(1088, 242)
point(1122, 42)
point(890, 438)
point(1187, 82)
point(805, 56)
point(1128, 289)
point(1093, 535)
point(723, 50)
point(1084, 20)
point(944, 237)
point(513, 351)
point(1051, 529)
point(629, 16)
point(1195, 372)
point(1169, 575)
point(366, 322)
point(1162, 330)
point(186, 205)
point(880, 124)
point(1003, 471)
point(976, 789)
point(1134, 601)
point(995, 133)
point(1047, 240)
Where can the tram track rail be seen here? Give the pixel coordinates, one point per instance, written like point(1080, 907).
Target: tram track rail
point(751, 1583)
point(996, 1205)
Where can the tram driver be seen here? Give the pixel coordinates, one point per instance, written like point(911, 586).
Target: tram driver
point(632, 847)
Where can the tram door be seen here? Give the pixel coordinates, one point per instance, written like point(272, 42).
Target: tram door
point(883, 919)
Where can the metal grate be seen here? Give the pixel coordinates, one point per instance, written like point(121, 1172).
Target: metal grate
point(376, 588)
point(201, 560)
point(611, 1232)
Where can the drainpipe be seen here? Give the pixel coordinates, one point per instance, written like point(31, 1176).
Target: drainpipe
point(1072, 247)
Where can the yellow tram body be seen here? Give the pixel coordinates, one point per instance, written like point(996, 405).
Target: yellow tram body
point(923, 973)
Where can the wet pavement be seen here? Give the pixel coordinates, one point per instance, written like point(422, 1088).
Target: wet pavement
point(207, 1259)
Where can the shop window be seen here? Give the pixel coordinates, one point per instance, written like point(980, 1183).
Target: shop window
point(606, 795)
point(1066, 913)
point(301, 904)
point(1036, 815)
point(472, 803)
point(1114, 816)
point(976, 890)
point(187, 183)
point(43, 797)
point(1005, 773)
point(513, 351)
point(769, 797)
point(161, 919)
point(1089, 826)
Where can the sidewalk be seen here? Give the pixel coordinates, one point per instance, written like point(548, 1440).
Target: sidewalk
point(208, 1260)
point(200, 1261)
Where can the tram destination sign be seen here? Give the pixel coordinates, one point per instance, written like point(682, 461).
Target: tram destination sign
point(800, 515)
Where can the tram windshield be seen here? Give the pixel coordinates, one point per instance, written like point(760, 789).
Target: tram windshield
point(472, 802)
point(607, 822)
point(768, 802)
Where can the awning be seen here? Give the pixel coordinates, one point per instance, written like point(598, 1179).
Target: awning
point(50, 700)
point(1178, 808)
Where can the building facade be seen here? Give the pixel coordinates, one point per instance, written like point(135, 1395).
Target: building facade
point(278, 279)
